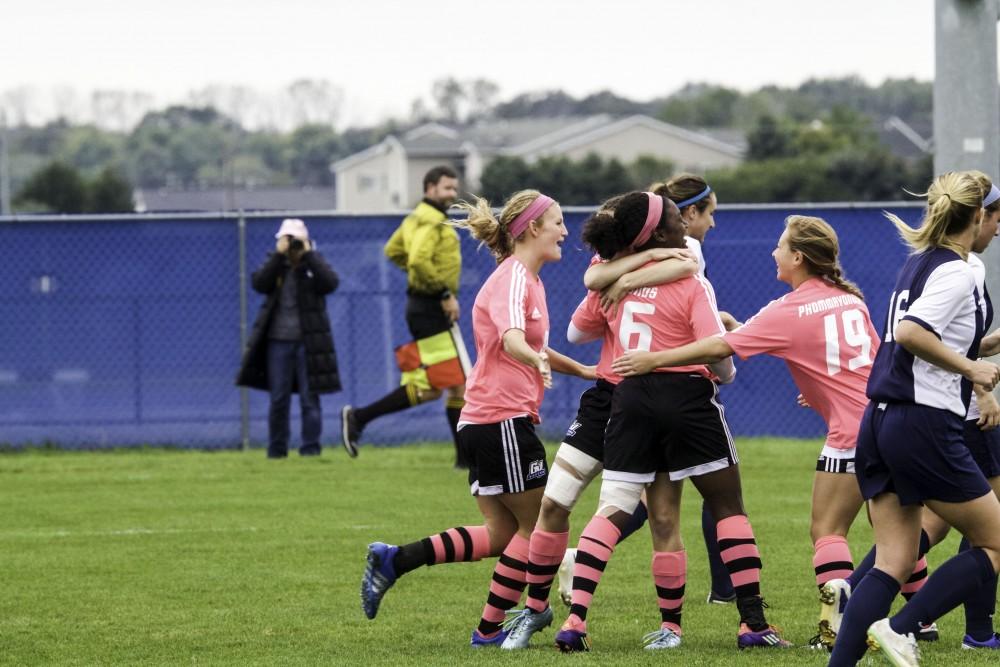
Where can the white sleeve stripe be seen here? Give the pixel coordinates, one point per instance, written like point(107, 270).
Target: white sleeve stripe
point(516, 297)
point(512, 290)
point(711, 299)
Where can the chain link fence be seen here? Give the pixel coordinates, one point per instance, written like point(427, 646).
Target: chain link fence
point(128, 330)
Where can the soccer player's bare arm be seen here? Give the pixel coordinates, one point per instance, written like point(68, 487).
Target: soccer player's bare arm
point(600, 276)
point(922, 343)
point(705, 351)
point(560, 363)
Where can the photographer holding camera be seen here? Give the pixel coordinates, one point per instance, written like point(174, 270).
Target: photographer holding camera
point(291, 347)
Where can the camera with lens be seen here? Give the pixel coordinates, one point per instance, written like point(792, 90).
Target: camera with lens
point(295, 244)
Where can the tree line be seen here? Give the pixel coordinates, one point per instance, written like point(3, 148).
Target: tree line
point(815, 142)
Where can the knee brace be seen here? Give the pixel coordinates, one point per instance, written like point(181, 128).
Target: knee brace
point(564, 487)
point(619, 496)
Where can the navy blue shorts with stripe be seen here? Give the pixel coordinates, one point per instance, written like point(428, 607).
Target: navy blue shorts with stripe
point(586, 433)
point(918, 453)
point(984, 447)
point(506, 457)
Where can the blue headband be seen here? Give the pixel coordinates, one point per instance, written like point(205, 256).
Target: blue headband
point(992, 196)
point(698, 197)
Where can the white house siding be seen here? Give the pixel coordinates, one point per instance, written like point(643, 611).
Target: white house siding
point(634, 141)
point(375, 184)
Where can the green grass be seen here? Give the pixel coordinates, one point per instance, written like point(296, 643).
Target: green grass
point(168, 557)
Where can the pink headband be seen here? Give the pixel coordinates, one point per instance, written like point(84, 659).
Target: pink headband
point(534, 210)
point(652, 219)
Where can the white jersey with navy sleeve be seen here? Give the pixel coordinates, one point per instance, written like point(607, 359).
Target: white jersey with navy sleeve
point(979, 270)
point(936, 289)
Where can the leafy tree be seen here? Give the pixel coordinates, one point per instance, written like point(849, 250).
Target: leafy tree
point(769, 139)
point(169, 147)
point(110, 193)
point(573, 183)
point(649, 169)
point(701, 105)
point(311, 149)
point(502, 177)
point(56, 188)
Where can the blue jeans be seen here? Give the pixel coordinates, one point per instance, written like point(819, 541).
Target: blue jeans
point(286, 363)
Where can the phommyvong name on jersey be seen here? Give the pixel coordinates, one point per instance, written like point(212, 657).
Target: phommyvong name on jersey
point(936, 289)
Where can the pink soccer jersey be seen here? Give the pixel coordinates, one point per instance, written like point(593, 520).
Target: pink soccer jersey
point(665, 317)
point(826, 338)
point(500, 387)
point(589, 318)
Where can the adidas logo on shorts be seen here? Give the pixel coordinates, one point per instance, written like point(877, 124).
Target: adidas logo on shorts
point(571, 431)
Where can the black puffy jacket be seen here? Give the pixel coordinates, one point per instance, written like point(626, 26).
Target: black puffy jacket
point(315, 280)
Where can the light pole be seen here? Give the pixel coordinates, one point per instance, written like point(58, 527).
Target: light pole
point(4, 166)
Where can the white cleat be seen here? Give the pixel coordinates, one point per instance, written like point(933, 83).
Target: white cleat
point(833, 599)
point(522, 625)
point(566, 576)
point(901, 650)
point(661, 639)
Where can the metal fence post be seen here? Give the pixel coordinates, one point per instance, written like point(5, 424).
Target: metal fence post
point(241, 226)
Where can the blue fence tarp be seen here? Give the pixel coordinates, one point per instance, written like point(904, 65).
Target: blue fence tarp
point(126, 331)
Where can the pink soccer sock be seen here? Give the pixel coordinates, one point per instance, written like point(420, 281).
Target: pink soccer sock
point(738, 549)
point(916, 580)
point(831, 559)
point(545, 554)
point(509, 579)
point(669, 576)
point(597, 543)
point(465, 543)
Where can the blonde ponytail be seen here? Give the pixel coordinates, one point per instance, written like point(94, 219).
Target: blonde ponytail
point(954, 200)
point(492, 231)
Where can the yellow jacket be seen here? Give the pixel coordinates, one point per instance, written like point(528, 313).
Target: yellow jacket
point(428, 250)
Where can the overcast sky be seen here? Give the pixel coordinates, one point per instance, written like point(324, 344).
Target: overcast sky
point(385, 53)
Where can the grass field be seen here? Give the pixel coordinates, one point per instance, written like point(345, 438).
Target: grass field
point(169, 557)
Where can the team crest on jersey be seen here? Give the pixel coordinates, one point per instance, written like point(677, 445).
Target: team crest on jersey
point(536, 469)
point(571, 431)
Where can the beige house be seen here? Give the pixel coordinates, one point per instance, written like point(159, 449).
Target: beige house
point(389, 175)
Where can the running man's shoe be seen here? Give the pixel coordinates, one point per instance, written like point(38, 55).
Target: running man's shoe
point(833, 599)
point(993, 642)
point(379, 576)
point(766, 638)
point(901, 650)
point(715, 598)
point(522, 624)
point(661, 639)
point(572, 637)
point(566, 576)
point(927, 633)
point(349, 430)
point(478, 641)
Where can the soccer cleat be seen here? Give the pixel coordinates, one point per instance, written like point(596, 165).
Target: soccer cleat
point(661, 639)
point(478, 641)
point(566, 576)
point(927, 633)
point(816, 644)
point(379, 576)
point(715, 598)
point(522, 624)
point(572, 637)
point(349, 430)
point(991, 643)
point(766, 638)
point(833, 599)
point(901, 650)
